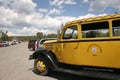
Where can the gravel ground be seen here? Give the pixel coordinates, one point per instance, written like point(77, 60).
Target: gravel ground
point(14, 65)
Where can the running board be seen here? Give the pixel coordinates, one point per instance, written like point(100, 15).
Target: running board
point(95, 74)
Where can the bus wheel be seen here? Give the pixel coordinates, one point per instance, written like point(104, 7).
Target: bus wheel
point(41, 66)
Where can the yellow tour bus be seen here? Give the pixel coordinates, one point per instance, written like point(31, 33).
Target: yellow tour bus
point(92, 44)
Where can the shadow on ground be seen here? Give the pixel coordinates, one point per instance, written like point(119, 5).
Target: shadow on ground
point(67, 76)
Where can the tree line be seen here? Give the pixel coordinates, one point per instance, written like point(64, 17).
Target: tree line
point(39, 35)
point(3, 35)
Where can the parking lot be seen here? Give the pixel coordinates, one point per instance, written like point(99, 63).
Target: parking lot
point(14, 65)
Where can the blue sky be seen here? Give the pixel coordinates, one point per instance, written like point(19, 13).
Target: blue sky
point(79, 8)
point(27, 17)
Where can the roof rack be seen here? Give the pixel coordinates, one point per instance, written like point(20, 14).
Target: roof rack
point(70, 22)
point(101, 18)
point(95, 18)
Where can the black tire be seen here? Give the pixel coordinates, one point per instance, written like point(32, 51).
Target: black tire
point(41, 66)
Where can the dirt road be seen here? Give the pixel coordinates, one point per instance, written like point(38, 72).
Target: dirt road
point(14, 65)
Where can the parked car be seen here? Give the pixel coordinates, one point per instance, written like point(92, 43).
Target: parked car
point(13, 42)
point(37, 44)
point(31, 44)
point(1, 45)
point(4, 43)
point(40, 45)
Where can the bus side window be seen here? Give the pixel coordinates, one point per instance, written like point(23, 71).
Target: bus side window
point(95, 30)
point(116, 27)
point(71, 33)
point(90, 34)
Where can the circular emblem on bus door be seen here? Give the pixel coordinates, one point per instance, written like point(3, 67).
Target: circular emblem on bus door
point(94, 50)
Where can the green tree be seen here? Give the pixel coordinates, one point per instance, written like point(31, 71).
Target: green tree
point(51, 36)
point(4, 36)
point(39, 35)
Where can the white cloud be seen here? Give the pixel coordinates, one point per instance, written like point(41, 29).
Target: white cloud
point(64, 19)
point(47, 31)
point(43, 10)
point(86, 16)
point(25, 31)
point(53, 2)
point(34, 19)
point(49, 22)
point(54, 11)
point(28, 31)
point(100, 5)
point(23, 6)
point(85, 1)
point(10, 33)
point(6, 17)
point(90, 16)
point(70, 2)
point(59, 3)
point(10, 18)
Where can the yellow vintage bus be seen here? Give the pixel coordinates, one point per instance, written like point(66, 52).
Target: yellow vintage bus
point(90, 44)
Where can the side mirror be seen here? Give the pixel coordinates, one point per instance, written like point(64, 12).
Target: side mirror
point(58, 37)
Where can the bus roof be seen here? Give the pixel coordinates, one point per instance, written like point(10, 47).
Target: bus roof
point(98, 18)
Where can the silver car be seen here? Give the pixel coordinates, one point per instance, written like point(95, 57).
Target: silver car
point(5, 43)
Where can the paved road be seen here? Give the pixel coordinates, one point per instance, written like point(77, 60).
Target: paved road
point(14, 65)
